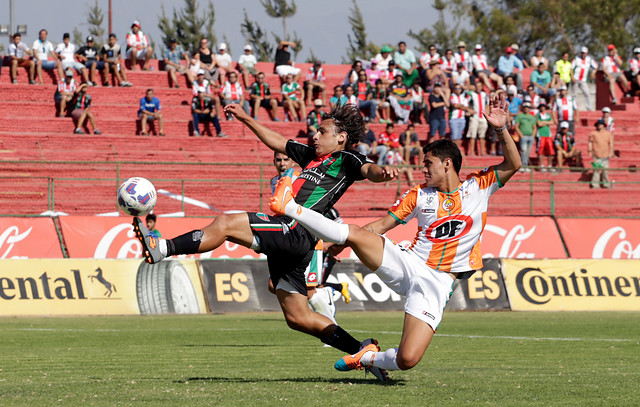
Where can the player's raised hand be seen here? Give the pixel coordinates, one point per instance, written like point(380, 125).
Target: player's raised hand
point(237, 111)
point(498, 111)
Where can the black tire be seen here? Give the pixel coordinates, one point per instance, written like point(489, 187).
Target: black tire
point(165, 288)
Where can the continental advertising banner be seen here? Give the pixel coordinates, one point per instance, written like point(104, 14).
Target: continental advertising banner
point(602, 238)
point(572, 285)
point(23, 238)
point(99, 287)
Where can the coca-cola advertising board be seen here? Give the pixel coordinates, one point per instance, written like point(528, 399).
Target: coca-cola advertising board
point(23, 238)
point(602, 238)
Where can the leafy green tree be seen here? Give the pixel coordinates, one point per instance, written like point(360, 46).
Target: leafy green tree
point(359, 47)
point(188, 25)
point(280, 9)
point(255, 35)
point(77, 37)
point(95, 18)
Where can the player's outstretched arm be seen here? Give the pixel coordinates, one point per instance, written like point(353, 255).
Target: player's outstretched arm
point(272, 139)
point(497, 118)
point(375, 173)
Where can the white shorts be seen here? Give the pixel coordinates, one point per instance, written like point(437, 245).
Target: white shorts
point(426, 290)
point(284, 70)
point(142, 53)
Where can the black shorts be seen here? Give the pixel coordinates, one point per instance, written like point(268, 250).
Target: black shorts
point(266, 103)
point(289, 247)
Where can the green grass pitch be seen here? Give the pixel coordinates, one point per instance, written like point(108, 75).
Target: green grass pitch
point(477, 358)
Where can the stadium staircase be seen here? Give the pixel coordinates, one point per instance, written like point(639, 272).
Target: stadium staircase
point(36, 147)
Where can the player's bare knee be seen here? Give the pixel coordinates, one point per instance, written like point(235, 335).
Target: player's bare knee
point(355, 232)
point(406, 362)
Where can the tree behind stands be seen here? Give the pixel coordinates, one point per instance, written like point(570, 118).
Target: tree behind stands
point(188, 25)
point(359, 47)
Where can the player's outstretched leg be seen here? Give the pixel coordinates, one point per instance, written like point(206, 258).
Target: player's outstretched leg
point(150, 242)
point(322, 303)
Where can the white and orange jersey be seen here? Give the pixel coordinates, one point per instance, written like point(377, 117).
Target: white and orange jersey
point(565, 108)
point(449, 225)
point(139, 40)
point(460, 99)
point(582, 66)
point(479, 62)
point(610, 65)
point(232, 90)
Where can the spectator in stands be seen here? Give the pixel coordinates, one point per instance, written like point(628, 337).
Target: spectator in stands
point(634, 69)
point(419, 105)
point(379, 95)
point(428, 57)
point(384, 57)
point(284, 64)
point(461, 77)
point(290, 100)
point(201, 84)
point(224, 60)
point(387, 140)
point(203, 111)
point(173, 56)
point(532, 97)
point(448, 63)
point(232, 93)
point(112, 57)
point(138, 47)
point(600, 151)
point(583, 67)
point(315, 117)
point(526, 126)
point(82, 110)
point(207, 61)
point(352, 76)
point(514, 110)
point(516, 52)
point(608, 120)
point(566, 146)
point(477, 123)
point(350, 94)
point(545, 140)
point(387, 75)
point(411, 144)
point(150, 111)
point(395, 157)
point(406, 62)
point(612, 68)
point(66, 52)
point(151, 225)
point(435, 75)
point(483, 70)
point(437, 122)
point(556, 83)
point(400, 99)
point(338, 98)
point(541, 81)
point(367, 144)
point(364, 94)
point(314, 82)
point(65, 92)
point(260, 95)
point(510, 85)
point(88, 55)
point(44, 56)
point(247, 64)
point(539, 58)
point(19, 53)
point(563, 67)
point(462, 57)
point(373, 74)
point(566, 110)
point(459, 108)
point(510, 66)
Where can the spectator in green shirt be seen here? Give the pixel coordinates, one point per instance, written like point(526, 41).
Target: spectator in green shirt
point(545, 140)
point(526, 125)
point(541, 81)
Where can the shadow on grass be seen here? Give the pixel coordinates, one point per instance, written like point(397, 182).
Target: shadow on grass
point(368, 380)
point(230, 346)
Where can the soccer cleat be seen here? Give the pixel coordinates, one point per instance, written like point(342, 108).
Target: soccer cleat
point(350, 362)
point(282, 196)
point(150, 242)
point(380, 374)
point(345, 291)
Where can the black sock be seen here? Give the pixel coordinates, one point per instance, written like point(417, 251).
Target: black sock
point(335, 286)
point(189, 243)
point(340, 339)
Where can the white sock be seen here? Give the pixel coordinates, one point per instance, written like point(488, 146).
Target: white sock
point(384, 360)
point(163, 247)
point(316, 223)
point(322, 303)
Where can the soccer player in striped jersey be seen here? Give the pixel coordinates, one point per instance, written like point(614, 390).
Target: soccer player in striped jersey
point(451, 216)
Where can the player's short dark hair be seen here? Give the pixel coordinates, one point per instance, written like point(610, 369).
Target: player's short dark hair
point(347, 118)
point(444, 149)
point(17, 35)
point(151, 216)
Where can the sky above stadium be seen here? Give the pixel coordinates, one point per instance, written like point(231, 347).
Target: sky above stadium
point(322, 24)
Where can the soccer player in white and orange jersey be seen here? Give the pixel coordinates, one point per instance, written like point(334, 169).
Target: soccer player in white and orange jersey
point(451, 217)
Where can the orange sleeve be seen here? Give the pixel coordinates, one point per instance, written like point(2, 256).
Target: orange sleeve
point(486, 177)
point(403, 209)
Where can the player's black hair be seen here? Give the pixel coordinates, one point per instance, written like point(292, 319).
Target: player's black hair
point(347, 118)
point(17, 35)
point(444, 149)
point(151, 216)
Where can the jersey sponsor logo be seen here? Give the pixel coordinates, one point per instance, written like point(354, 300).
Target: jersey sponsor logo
point(449, 228)
point(428, 210)
point(447, 204)
point(262, 216)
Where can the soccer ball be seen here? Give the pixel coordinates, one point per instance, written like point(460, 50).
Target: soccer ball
point(137, 196)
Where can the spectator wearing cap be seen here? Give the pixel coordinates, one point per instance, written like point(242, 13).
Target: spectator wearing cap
point(66, 52)
point(435, 75)
point(566, 110)
point(461, 77)
point(204, 111)
point(283, 64)
point(437, 103)
point(634, 68)
point(260, 94)
point(19, 54)
point(173, 56)
point(247, 64)
point(138, 47)
point(545, 139)
point(150, 111)
point(511, 65)
point(406, 62)
point(201, 84)
point(373, 74)
point(44, 57)
point(384, 57)
point(400, 99)
point(315, 117)
point(478, 125)
point(612, 68)
point(483, 70)
point(88, 54)
point(539, 58)
point(526, 126)
point(112, 57)
point(462, 57)
point(600, 151)
point(315, 82)
point(608, 119)
point(65, 92)
point(223, 60)
point(541, 81)
point(584, 67)
point(516, 52)
point(291, 102)
point(82, 110)
point(207, 61)
point(565, 145)
point(563, 67)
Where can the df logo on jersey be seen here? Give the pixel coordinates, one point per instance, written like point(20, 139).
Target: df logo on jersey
point(450, 228)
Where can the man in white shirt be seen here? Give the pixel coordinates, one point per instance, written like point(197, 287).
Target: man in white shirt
point(612, 68)
point(138, 47)
point(634, 66)
point(583, 67)
point(19, 53)
point(246, 64)
point(65, 51)
point(223, 59)
point(42, 50)
point(232, 92)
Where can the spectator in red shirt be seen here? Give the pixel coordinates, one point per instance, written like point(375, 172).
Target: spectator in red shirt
point(364, 94)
